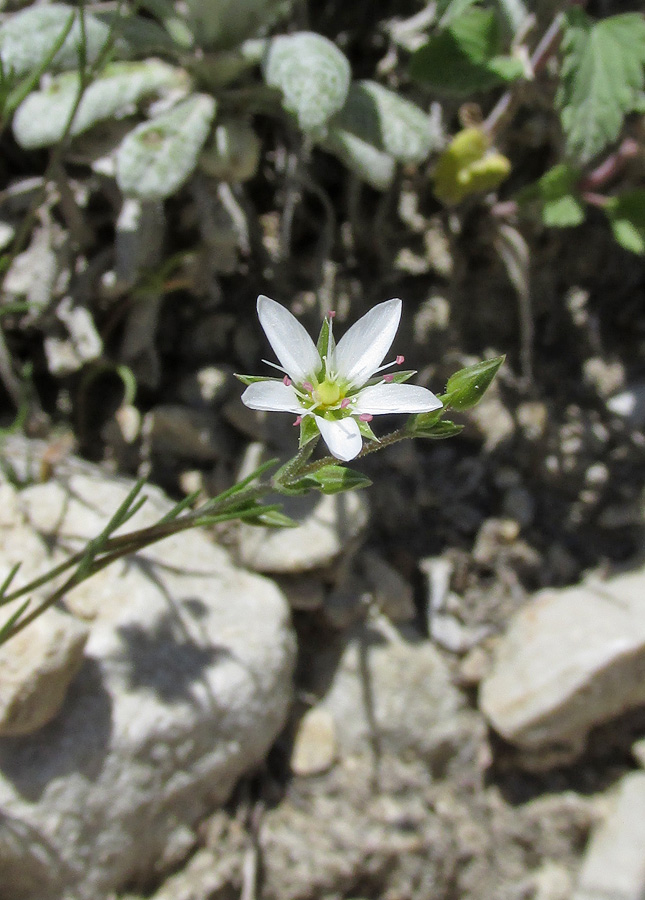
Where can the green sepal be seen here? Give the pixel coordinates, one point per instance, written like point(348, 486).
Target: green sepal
point(252, 379)
point(308, 431)
point(323, 340)
point(366, 431)
point(467, 386)
point(331, 479)
point(423, 421)
point(397, 377)
point(442, 429)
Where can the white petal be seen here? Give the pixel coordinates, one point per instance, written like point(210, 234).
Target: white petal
point(361, 350)
point(342, 437)
point(380, 399)
point(290, 341)
point(271, 395)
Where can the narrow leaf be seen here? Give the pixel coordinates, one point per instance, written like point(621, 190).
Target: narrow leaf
point(272, 518)
point(438, 432)
point(334, 479)
point(6, 629)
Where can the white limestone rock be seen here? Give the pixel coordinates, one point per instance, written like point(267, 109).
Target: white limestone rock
point(36, 669)
point(614, 864)
point(328, 526)
point(570, 660)
point(185, 685)
point(397, 695)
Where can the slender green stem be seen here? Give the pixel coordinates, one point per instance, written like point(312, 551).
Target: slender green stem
point(392, 438)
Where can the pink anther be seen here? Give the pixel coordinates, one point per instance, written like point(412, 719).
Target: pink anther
point(298, 421)
point(308, 386)
point(286, 380)
point(388, 378)
point(366, 417)
point(332, 313)
point(345, 403)
point(399, 360)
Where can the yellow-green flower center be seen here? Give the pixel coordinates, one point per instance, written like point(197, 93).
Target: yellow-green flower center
point(328, 393)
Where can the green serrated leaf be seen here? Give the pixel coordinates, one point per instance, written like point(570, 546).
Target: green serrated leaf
point(41, 118)
point(601, 79)
point(467, 386)
point(465, 58)
point(312, 74)
point(308, 430)
point(392, 125)
point(626, 214)
point(156, 158)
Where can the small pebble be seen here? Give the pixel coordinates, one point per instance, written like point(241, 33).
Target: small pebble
point(314, 748)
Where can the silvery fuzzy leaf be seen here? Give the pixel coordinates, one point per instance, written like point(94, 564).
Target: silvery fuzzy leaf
point(233, 154)
point(371, 165)
point(158, 156)
point(42, 117)
point(226, 23)
point(389, 123)
point(28, 36)
point(312, 74)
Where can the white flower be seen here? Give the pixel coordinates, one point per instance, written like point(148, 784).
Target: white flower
point(336, 386)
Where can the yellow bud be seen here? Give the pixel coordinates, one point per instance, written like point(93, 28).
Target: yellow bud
point(467, 166)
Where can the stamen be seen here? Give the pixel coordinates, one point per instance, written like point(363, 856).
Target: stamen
point(345, 403)
point(286, 380)
point(330, 338)
point(298, 421)
point(397, 362)
point(366, 417)
point(388, 379)
point(274, 365)
point(308, 386)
